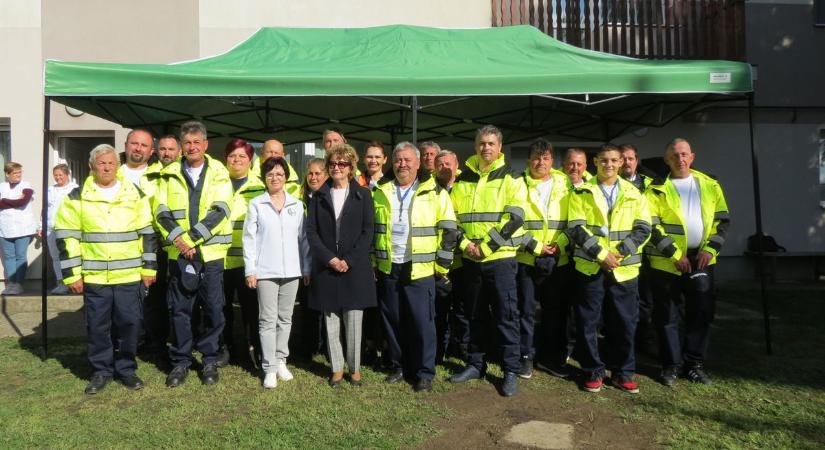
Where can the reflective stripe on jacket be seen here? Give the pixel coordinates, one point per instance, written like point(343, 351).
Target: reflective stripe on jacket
point(102, 241)
point(668, 243)
point(433, 228)
point(211, 230)
point(541, 230)
point(240, 205)
point(625, 233)
point(488, 208)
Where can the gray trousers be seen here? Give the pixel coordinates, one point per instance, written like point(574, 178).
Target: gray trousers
point(54, 254)
point(276, 299)
point(352, 319)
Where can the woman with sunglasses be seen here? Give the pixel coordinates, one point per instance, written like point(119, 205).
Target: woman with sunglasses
point(340, 229)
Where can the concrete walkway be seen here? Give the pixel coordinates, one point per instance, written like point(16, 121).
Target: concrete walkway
point(21, 316)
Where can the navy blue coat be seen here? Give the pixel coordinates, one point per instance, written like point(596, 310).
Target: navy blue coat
point(355, 289)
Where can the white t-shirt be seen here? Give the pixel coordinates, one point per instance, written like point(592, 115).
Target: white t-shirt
point(194, 173)
point(134, 175)
point(611, 194)
point(109, 193)
point(339, 196)
point(544, 189)
point(691, 209)
point(401, 205)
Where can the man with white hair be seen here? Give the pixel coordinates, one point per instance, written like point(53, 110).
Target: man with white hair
point(415, 235)
point(107, 253)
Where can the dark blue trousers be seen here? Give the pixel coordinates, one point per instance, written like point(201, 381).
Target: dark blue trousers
point(529, 290)
point(490, 288)
point(408, 314)
point(443, 301)
point(555, 332)
point(234, 282)
point(155, 331)
point(209, 295)
point(699, 305)
point(459, 327)
point(112, 310)
point(621, 307)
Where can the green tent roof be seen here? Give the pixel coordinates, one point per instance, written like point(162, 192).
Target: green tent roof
point(399, 60)
point(292, 83)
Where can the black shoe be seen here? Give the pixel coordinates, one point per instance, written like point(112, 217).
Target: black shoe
point(509, 387)
point(697, 374)
point(557, 370)
point(333, 383)
point(526, 370)
point(132, 382)
point(96, 384)
point(223, 356)
point(470, 373)
point(177, 376)
point(669, 376)
point(423, 385)
point(395, 377)
point(209, 374)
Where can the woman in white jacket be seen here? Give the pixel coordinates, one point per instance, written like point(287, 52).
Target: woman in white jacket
point(61, 187)
point(17, 226)
point(276, 257)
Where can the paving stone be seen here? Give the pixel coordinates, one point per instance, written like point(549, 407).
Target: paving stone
point(544, 435)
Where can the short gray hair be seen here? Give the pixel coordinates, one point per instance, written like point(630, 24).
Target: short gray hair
point(403, 145)
point(489, 129)
point(670, 145)
point(444, 153)
point(430, 144)
point(192, 127)
point(101, 149)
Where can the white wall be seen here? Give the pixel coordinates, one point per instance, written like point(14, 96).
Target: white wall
point(223, 24)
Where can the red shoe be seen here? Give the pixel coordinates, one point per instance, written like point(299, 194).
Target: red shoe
point(626, 385)
point(593, 384)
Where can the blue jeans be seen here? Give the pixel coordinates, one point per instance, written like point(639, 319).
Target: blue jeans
point(14, 258)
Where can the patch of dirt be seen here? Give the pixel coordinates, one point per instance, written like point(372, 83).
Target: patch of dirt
point(482, 418)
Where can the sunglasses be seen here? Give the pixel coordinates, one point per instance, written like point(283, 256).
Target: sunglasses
point(339, 164)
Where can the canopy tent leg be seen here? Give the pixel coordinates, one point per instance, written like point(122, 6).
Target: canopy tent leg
point(44, 217)
point(760, 257)
point(414, 107)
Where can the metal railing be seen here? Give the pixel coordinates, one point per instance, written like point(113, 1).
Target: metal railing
point(651, 29)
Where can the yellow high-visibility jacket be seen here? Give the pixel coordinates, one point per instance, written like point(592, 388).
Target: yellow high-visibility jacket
point(204, 225)
point(668, 243)
point(433, 228)
point(541, 229)
point(102, 241)
point(594, 233)
point(293, 183)
point(488, 207)
point(240, 204)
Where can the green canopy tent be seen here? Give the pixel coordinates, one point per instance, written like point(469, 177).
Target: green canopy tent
point(398, 82)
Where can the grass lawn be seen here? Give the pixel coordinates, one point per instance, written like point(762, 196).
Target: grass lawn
point(756, 402)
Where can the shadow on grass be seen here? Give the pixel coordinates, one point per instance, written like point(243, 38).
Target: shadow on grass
point(738, 342)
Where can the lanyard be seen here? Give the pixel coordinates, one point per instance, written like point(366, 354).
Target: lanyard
point(609, 197)
point(402, 198)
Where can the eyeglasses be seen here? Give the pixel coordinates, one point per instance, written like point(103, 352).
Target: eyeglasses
point(272, 175)
point(339, 164)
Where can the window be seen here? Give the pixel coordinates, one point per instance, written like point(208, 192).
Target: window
point(819, 13)
point(5, 144)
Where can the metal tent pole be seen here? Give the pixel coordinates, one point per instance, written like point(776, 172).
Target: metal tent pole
point(44, 217)
point(760, 257)
point(414, 107)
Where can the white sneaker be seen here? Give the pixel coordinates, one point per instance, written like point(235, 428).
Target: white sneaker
point(283, 372)
point(270, 381)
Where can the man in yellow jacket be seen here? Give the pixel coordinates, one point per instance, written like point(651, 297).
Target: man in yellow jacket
point(609, 221)
point(487, 202)
point(191, 208)
point(544, 246)
point(107, 252)
point(415, 235)
point(691, 219)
